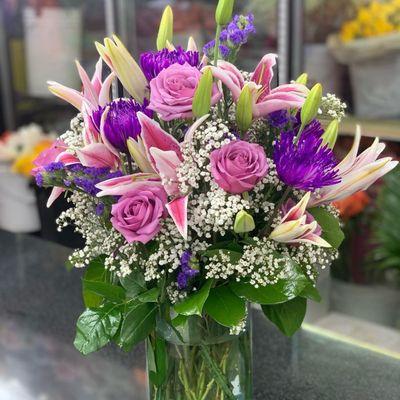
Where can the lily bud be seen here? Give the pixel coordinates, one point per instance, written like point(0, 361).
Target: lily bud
point(202, 97)
point(223, 13)
point(244, 111)
point(138, 153)
point(244, 222)
point(166, 29)
point(311, 104)
point(303, 78)
point(331, 133)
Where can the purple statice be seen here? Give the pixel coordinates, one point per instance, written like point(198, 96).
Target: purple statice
point(99, 210)
point(281, 118)
point(153, 62)
point(186, 272)
point(54, 167)
point(87, 178)
point(233, 36)
point(122, 122)
point(39, 179)
point(305, 165)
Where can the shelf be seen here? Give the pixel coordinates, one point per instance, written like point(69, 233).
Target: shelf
point(384, 129)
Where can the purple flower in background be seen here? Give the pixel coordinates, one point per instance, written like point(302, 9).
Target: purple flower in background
point(233, 36)
point(153, 63)
point(306, 165)
point(186, 272)
point(122, 122)
point(279, 119)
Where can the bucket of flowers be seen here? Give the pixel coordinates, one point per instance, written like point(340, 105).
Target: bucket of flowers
point(18, 150)
point(203, 191)
point(369, 44)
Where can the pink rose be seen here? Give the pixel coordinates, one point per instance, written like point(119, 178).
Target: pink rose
point(238, 166)
point(172, 91)
point(137, 214)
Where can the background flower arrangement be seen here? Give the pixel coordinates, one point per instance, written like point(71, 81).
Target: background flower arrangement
point(204, 190)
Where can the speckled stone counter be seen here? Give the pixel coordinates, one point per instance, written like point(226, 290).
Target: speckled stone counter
point(40, 301)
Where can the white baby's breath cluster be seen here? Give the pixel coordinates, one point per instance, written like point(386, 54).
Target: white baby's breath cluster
point(195, 170)
point(333, 107)
point(73, 137)
point(99, 239)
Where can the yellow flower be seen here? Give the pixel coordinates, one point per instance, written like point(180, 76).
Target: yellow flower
point(24, 163)
point(376, 19)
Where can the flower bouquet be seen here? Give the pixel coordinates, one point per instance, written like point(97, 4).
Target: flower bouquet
point(204, 190)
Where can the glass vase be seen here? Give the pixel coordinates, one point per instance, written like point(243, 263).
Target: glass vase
point(199, 360)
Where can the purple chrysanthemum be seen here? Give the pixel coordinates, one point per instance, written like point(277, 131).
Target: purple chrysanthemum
point(153, 63)
point(306, 165)
point(122, 121)
point(233, 36)
point(186, 272)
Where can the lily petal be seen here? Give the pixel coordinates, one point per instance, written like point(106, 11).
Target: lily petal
point(124, 184)
point(88, 90)
point(177, 209)
point(54, 195)
point(166, 163)
point(97, 155)
point(154, 136)
point(71, 96)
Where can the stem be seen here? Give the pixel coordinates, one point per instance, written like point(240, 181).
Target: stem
point(216, 47)
point(219, 377)
point(129, 159)
point(267, 227)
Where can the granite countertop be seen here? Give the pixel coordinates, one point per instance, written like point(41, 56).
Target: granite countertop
point(40, 301)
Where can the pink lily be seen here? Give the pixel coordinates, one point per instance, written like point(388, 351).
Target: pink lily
point(298, 226)
point(124, 184)
point(95, 92)
point(265, 99)
point(356, 172)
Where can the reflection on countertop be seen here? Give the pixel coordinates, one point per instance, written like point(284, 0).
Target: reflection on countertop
point(40, 301)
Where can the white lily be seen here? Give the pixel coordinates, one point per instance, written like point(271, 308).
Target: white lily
point(356, 172)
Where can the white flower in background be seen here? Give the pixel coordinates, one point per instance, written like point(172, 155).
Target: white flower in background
point(22, 141)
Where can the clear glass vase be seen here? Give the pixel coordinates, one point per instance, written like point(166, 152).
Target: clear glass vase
point(199, 360)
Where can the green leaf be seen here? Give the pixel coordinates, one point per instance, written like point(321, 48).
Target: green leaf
point(134, 284)
point(311, 292)
point(329, 224)
point(179, 320)
point(150, 296)
point(288, 316)
point(193, 304)
point(224, 306)
point(160, 359)
point(139, 322)
point(97, 273)
point(96, 327)
point(283, 290)
point(108, 291)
